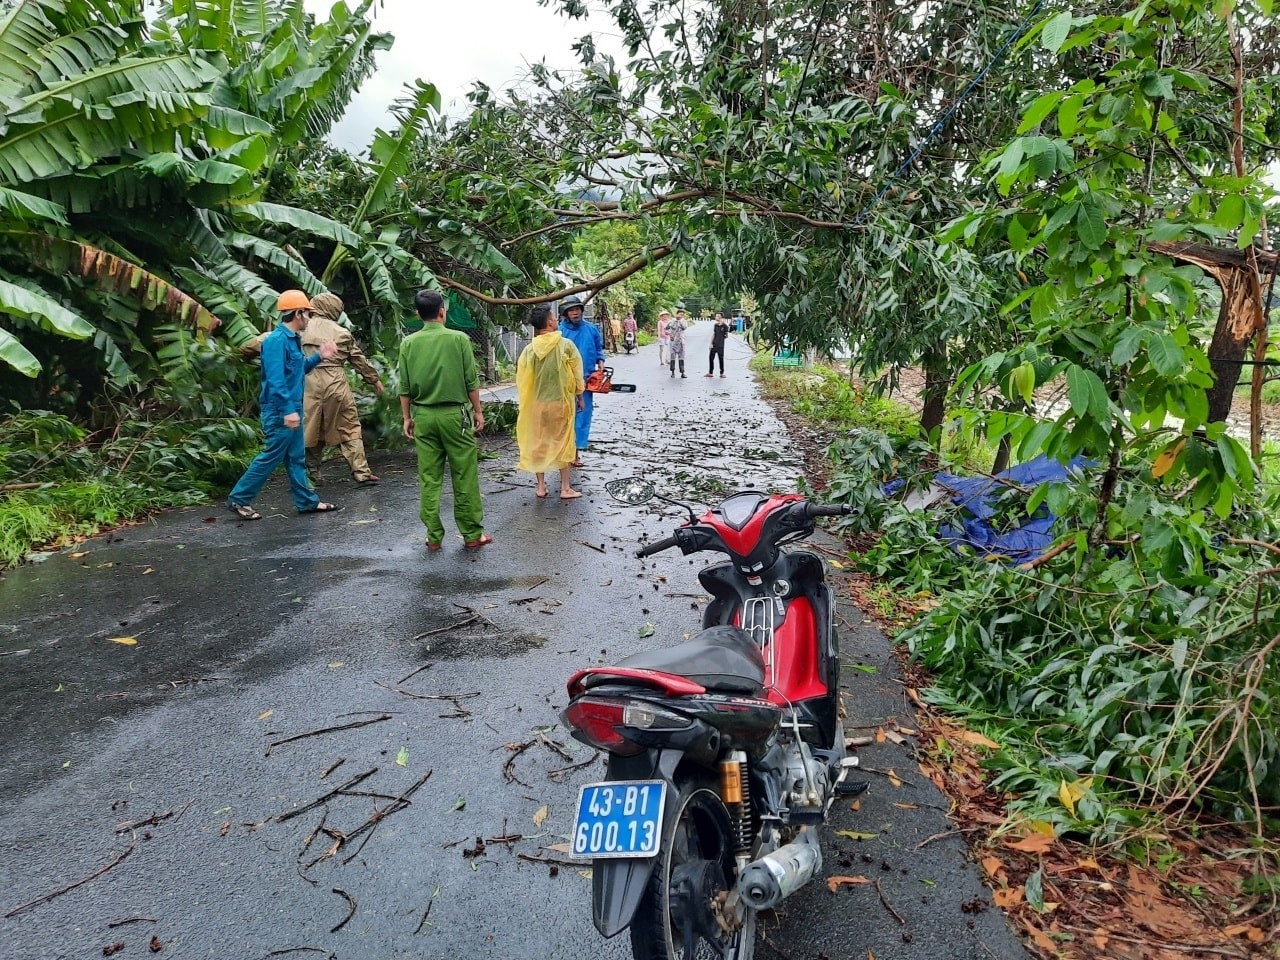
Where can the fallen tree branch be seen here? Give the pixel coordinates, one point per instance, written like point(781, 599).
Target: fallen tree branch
point(415, 672)
point(1049, 554)
point(1164, 944)
point(373, 822)
point(452, 626)
point(71, 886)
point(154, 820)
point(1246, 542)
point(351, 909)
point(508, 768)
point(322, 730)
point(426, 696)
point(339, 762)
point(359, 778)
point(888, 906)
point(617, 275)
point(534, 858)
point(427, 912)
point(558, 774)
point(556, 748)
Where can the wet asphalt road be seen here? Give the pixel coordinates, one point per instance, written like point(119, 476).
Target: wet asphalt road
point(251, 633)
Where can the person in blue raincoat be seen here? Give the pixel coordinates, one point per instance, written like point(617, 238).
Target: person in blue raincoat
point(586, 336)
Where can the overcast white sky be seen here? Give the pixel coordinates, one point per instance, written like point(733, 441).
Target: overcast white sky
point(452, 43)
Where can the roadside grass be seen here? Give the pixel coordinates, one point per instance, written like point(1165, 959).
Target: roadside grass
point(1118, 702)
point(60, 483)
point(829, 398)
point(58, 515)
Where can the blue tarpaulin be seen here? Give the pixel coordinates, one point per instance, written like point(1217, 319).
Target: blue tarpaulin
point(976, 497)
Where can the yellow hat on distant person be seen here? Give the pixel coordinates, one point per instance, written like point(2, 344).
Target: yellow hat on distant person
point(293, 300)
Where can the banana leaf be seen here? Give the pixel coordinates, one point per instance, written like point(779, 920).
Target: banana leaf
point(14, 355)
point(279, 215)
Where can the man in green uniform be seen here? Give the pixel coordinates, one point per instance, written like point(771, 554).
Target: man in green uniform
point(438, 380)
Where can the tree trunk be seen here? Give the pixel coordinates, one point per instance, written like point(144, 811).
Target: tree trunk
point(936, 380)
point(1236, 327)
point(1003, 451)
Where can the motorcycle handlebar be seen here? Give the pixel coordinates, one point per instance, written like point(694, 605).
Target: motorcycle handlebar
point(827, 509)
point(666, 543)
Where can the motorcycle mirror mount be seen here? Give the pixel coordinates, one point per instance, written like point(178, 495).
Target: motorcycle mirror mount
point(635, 491)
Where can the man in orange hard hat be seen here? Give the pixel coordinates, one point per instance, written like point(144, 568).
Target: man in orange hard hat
point(284, 371)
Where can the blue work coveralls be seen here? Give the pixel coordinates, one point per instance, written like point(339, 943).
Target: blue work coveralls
point(585, 335)
point(284, 372)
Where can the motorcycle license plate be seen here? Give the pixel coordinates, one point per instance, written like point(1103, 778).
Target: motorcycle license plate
point(622, 819)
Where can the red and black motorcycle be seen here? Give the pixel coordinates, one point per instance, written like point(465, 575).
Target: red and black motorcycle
point(725, 751)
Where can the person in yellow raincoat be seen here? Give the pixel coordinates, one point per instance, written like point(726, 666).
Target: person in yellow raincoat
point(331, 416)
point(329, 407)
point(549, 386)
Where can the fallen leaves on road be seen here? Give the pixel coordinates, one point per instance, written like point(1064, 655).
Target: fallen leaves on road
point(1072, 900)
point(855, 835)
point(125, 641)
point(1036, 844)
point(541, 816)
point(836, 882)
point(976, 739)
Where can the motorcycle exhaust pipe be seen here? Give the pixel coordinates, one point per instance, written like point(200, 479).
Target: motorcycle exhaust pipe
point(766, 882)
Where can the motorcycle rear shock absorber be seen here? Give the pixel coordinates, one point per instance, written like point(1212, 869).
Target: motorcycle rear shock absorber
point(735, 789)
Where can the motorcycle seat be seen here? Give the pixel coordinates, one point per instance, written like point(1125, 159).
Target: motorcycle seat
point(722, 659)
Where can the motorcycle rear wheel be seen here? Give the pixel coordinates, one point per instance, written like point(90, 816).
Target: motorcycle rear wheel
point(676, 916)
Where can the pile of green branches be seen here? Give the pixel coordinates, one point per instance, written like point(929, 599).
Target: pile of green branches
point(1132, 673)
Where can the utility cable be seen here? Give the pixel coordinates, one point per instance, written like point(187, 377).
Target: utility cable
point(942, 121)
point(808, 60)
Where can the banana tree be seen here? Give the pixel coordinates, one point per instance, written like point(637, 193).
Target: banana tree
point(132, 160)
point(384, 269)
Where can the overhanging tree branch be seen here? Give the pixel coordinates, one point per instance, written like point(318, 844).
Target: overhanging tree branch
point(605, 280)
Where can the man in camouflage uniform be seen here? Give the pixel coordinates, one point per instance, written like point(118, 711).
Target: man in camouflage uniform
point(331, 416)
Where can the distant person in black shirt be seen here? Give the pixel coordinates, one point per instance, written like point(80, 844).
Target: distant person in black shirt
point(719, 333)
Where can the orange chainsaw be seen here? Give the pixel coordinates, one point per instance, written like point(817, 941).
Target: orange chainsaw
point(601, 381)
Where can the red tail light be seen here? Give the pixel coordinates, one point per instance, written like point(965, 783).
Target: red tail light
point(596, 721)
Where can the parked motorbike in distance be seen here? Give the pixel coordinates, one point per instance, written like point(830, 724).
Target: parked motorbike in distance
point(629, 342)
point(725, 752)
